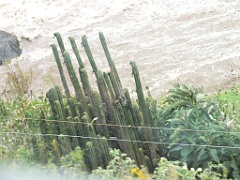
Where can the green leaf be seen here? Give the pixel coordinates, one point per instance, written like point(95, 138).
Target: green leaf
point(233, 164)
point(189, 113)
point(201, 153)
point(214, 154)
point(216, 135)
point(200, 98)
point(203, 138)
point(190, 139)
point(176, 148)
point(176, 134)
point(186, 150)
point(235, 174)
point(175, 121)
point(210, 109)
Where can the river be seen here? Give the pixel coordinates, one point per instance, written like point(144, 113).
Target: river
point(193, 42)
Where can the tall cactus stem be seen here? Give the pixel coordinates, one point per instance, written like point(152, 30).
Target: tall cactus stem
point(60, 42)
point(72, 107)
point(57, 59)
point(92, 113)
point(104, 147)
point(51, 101)
point(76, 52)
point(88, 90)
point(142, 157)
point(144, 109)
point(59, 96)
point(76, 85)
point(80, 109)
point(92, 155)
point(139, 90)
point(115, 86)
point(111, 64)
point(109, 59)
point(104, 93)
point(101, 129)
point(63, 128)
point(109, 86)
point(89, 54)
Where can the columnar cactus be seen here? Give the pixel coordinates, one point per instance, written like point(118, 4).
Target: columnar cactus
point(59, 64)
point(89, 54)
point(146, 118)
point(63, 130)
point(109, 86)
point(104, 150)
point(77, 88)
point(76, 52)
point(112, 66)
point(60, 42)
point(108, 112)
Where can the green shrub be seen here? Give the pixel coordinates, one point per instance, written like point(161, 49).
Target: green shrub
point(199, 131)
point(175, 170)
point(73, 164)
point(119, 167)
point(230, 100)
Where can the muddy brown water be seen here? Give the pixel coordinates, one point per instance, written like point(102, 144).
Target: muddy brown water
point(191, 42)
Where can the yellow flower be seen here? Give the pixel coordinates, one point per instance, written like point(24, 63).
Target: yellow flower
point(135, 171)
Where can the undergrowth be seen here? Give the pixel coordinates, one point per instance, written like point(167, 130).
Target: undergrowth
point(199, 135)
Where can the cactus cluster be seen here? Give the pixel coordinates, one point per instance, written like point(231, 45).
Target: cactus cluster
point(107, 116)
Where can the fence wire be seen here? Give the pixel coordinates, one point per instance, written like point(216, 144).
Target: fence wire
point(123, 140)
point(115, 138)
point(125, 126)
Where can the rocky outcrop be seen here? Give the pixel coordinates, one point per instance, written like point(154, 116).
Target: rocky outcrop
point(9, 46)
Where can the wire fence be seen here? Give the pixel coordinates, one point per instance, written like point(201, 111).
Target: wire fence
point(124, 140)
point(126, 126)
point(119, 126)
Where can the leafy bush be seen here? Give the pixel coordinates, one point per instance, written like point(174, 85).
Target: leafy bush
point(199, 131)
point(118, 167)
point(72, 165)
point(230, 100)
point(174, 170)
point(17, 98)
point(196, 130)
